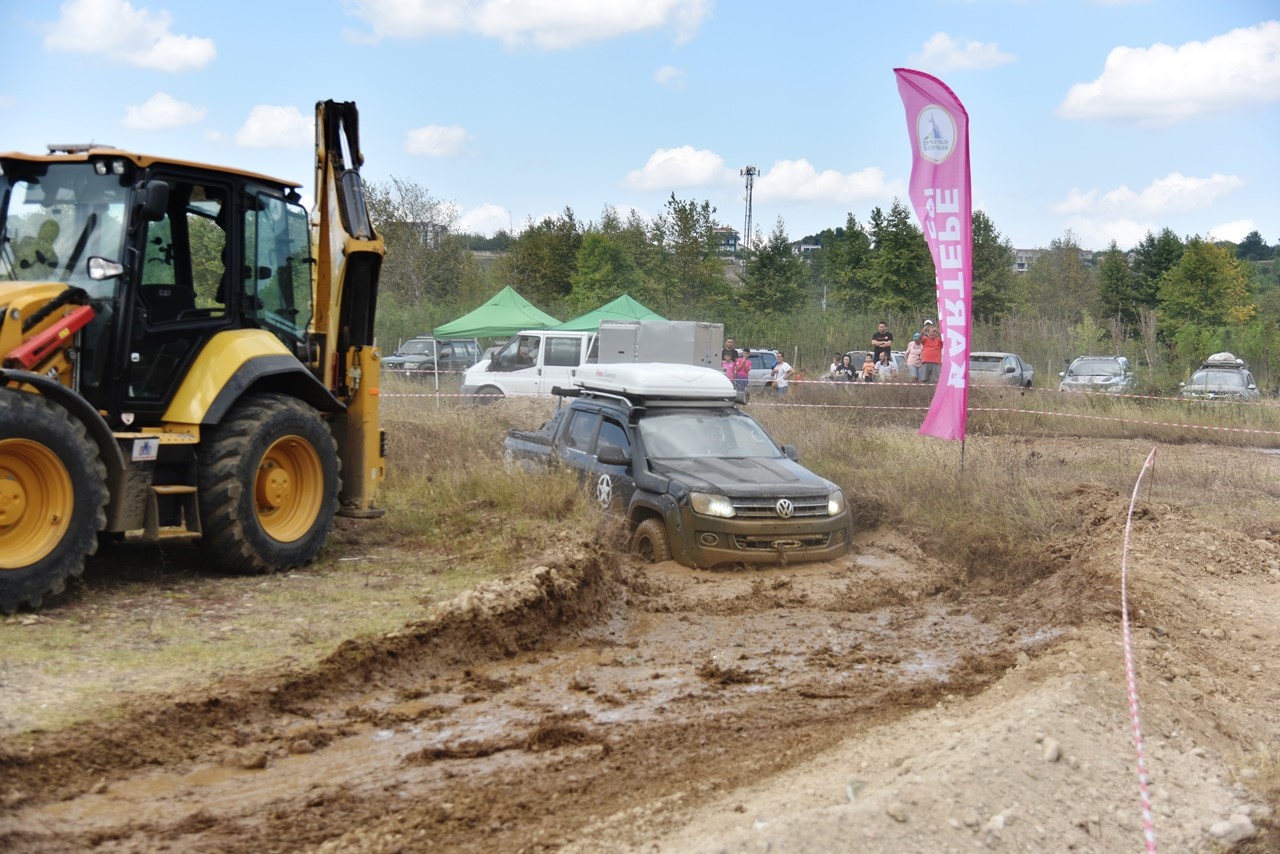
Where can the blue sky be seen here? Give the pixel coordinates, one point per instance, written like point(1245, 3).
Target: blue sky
point(1108, 119)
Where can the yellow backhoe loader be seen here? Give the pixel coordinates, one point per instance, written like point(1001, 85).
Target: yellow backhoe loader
point(183, 351)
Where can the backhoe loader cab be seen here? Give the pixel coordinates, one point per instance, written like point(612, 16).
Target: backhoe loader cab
point(183, 349)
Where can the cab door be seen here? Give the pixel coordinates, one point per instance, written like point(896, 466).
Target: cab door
point(586, 434)
point(561, 355)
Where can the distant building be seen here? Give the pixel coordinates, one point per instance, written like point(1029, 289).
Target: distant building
point(728, 238)
point(1024, 258)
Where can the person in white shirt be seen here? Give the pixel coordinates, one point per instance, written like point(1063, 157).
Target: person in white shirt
point(886, 370)
point(781, 374)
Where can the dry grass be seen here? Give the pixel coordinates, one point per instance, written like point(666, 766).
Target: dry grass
point(994, 504)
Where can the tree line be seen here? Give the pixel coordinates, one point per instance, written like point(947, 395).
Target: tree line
point(1166, 303)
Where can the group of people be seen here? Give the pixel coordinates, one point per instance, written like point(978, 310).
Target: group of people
point(736, 364)
point(923, 358)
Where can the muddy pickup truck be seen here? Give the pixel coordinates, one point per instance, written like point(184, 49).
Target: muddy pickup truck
point(697, 480)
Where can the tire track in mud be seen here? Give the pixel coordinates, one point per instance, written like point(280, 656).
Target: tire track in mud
point(524, 710)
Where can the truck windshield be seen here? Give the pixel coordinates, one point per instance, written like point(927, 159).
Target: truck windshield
point(55, 217)
point(716, 433)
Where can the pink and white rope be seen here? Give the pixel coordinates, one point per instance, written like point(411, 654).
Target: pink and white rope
point(1131, 684)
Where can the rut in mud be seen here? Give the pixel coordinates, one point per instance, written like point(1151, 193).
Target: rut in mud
point(583, 683)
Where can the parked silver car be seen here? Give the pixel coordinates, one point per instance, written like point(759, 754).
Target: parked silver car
point(999, 369)
point(1098, 373)
point(1221, 377)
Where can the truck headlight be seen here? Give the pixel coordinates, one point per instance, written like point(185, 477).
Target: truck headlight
point(835, 503)
point(711, 505)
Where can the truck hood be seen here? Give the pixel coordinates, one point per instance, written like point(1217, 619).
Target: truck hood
point(733, 477)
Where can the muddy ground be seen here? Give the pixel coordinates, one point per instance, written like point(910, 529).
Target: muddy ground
point(881, 703)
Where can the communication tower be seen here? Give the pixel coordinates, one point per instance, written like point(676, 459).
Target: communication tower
point(750, 173)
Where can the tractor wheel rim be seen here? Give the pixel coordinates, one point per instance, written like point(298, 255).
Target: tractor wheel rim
point(36, 502)
point(288, 489)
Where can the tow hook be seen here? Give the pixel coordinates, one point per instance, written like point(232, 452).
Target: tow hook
point(783, 546)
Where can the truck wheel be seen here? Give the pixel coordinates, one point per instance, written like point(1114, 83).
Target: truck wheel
point(489, 394)
point(650, 543)
point(53, 497)
point(268, 481)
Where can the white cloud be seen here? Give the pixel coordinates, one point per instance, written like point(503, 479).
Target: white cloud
point(435, 140)
point(673, 168)
point(943, 53)
point(798, 180)
point(139, 37)
point(277, 127)
point(516, 23)
point(1097, 233)
point(162, 112)
point(485, 219)
point(669, 77)
point(1163, 85)
point(1173, 194)
point(1234, 231)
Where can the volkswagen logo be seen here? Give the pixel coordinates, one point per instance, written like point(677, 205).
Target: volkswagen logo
point(785, 508)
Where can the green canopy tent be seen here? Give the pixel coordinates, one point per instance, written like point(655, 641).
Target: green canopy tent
point(623, 308)
point(505, 313)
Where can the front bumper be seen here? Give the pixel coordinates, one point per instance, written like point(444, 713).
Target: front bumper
point(711, 541)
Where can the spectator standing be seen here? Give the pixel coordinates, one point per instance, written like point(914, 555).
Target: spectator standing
point(915, 368)
point(886, 370)
point(728, 358)
point(742, 369)
point(868, 370)
point(835, 366)
point(781, 374)
point(931, 352)
point(881, 341)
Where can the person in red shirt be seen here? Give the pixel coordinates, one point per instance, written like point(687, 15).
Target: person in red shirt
point(931, 352)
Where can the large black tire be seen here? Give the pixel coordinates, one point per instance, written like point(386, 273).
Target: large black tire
point(53, 497)
point(650, 543)
point(268, 485)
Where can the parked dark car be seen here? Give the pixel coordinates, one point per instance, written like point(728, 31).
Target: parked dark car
point(424, 355)
point(999, 369)
point(1221, 377)
point(1098, 373)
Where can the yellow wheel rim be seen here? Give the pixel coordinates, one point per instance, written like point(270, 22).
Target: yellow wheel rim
point(289, 489)
point(36, 502)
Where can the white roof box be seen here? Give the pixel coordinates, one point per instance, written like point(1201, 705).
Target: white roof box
point(656, 380)
point(1227, 359)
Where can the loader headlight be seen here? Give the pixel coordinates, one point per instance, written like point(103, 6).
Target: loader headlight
point(709, 504)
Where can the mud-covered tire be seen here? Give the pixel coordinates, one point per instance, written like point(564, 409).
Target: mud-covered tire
point(650, 543)
point(268, 485)
point(53, 497)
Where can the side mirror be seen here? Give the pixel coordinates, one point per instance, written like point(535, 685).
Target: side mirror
point(790, 452)
point(153, 200)
point(612, 455)
point(1062, 374)
point(1009, 369)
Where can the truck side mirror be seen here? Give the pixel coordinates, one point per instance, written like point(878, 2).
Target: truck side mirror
point(612, 455)
point(790, 452)
point(153, 200)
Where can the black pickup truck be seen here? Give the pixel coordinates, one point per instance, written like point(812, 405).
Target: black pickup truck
point(696, 478)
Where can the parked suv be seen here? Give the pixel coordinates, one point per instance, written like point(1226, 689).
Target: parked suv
point(1098, 373)
point(1221, 377)
point(424, 355)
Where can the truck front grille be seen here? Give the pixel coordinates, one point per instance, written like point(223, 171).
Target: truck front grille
point(807, 507)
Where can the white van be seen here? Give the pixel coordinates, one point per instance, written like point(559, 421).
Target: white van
point(532, 362)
